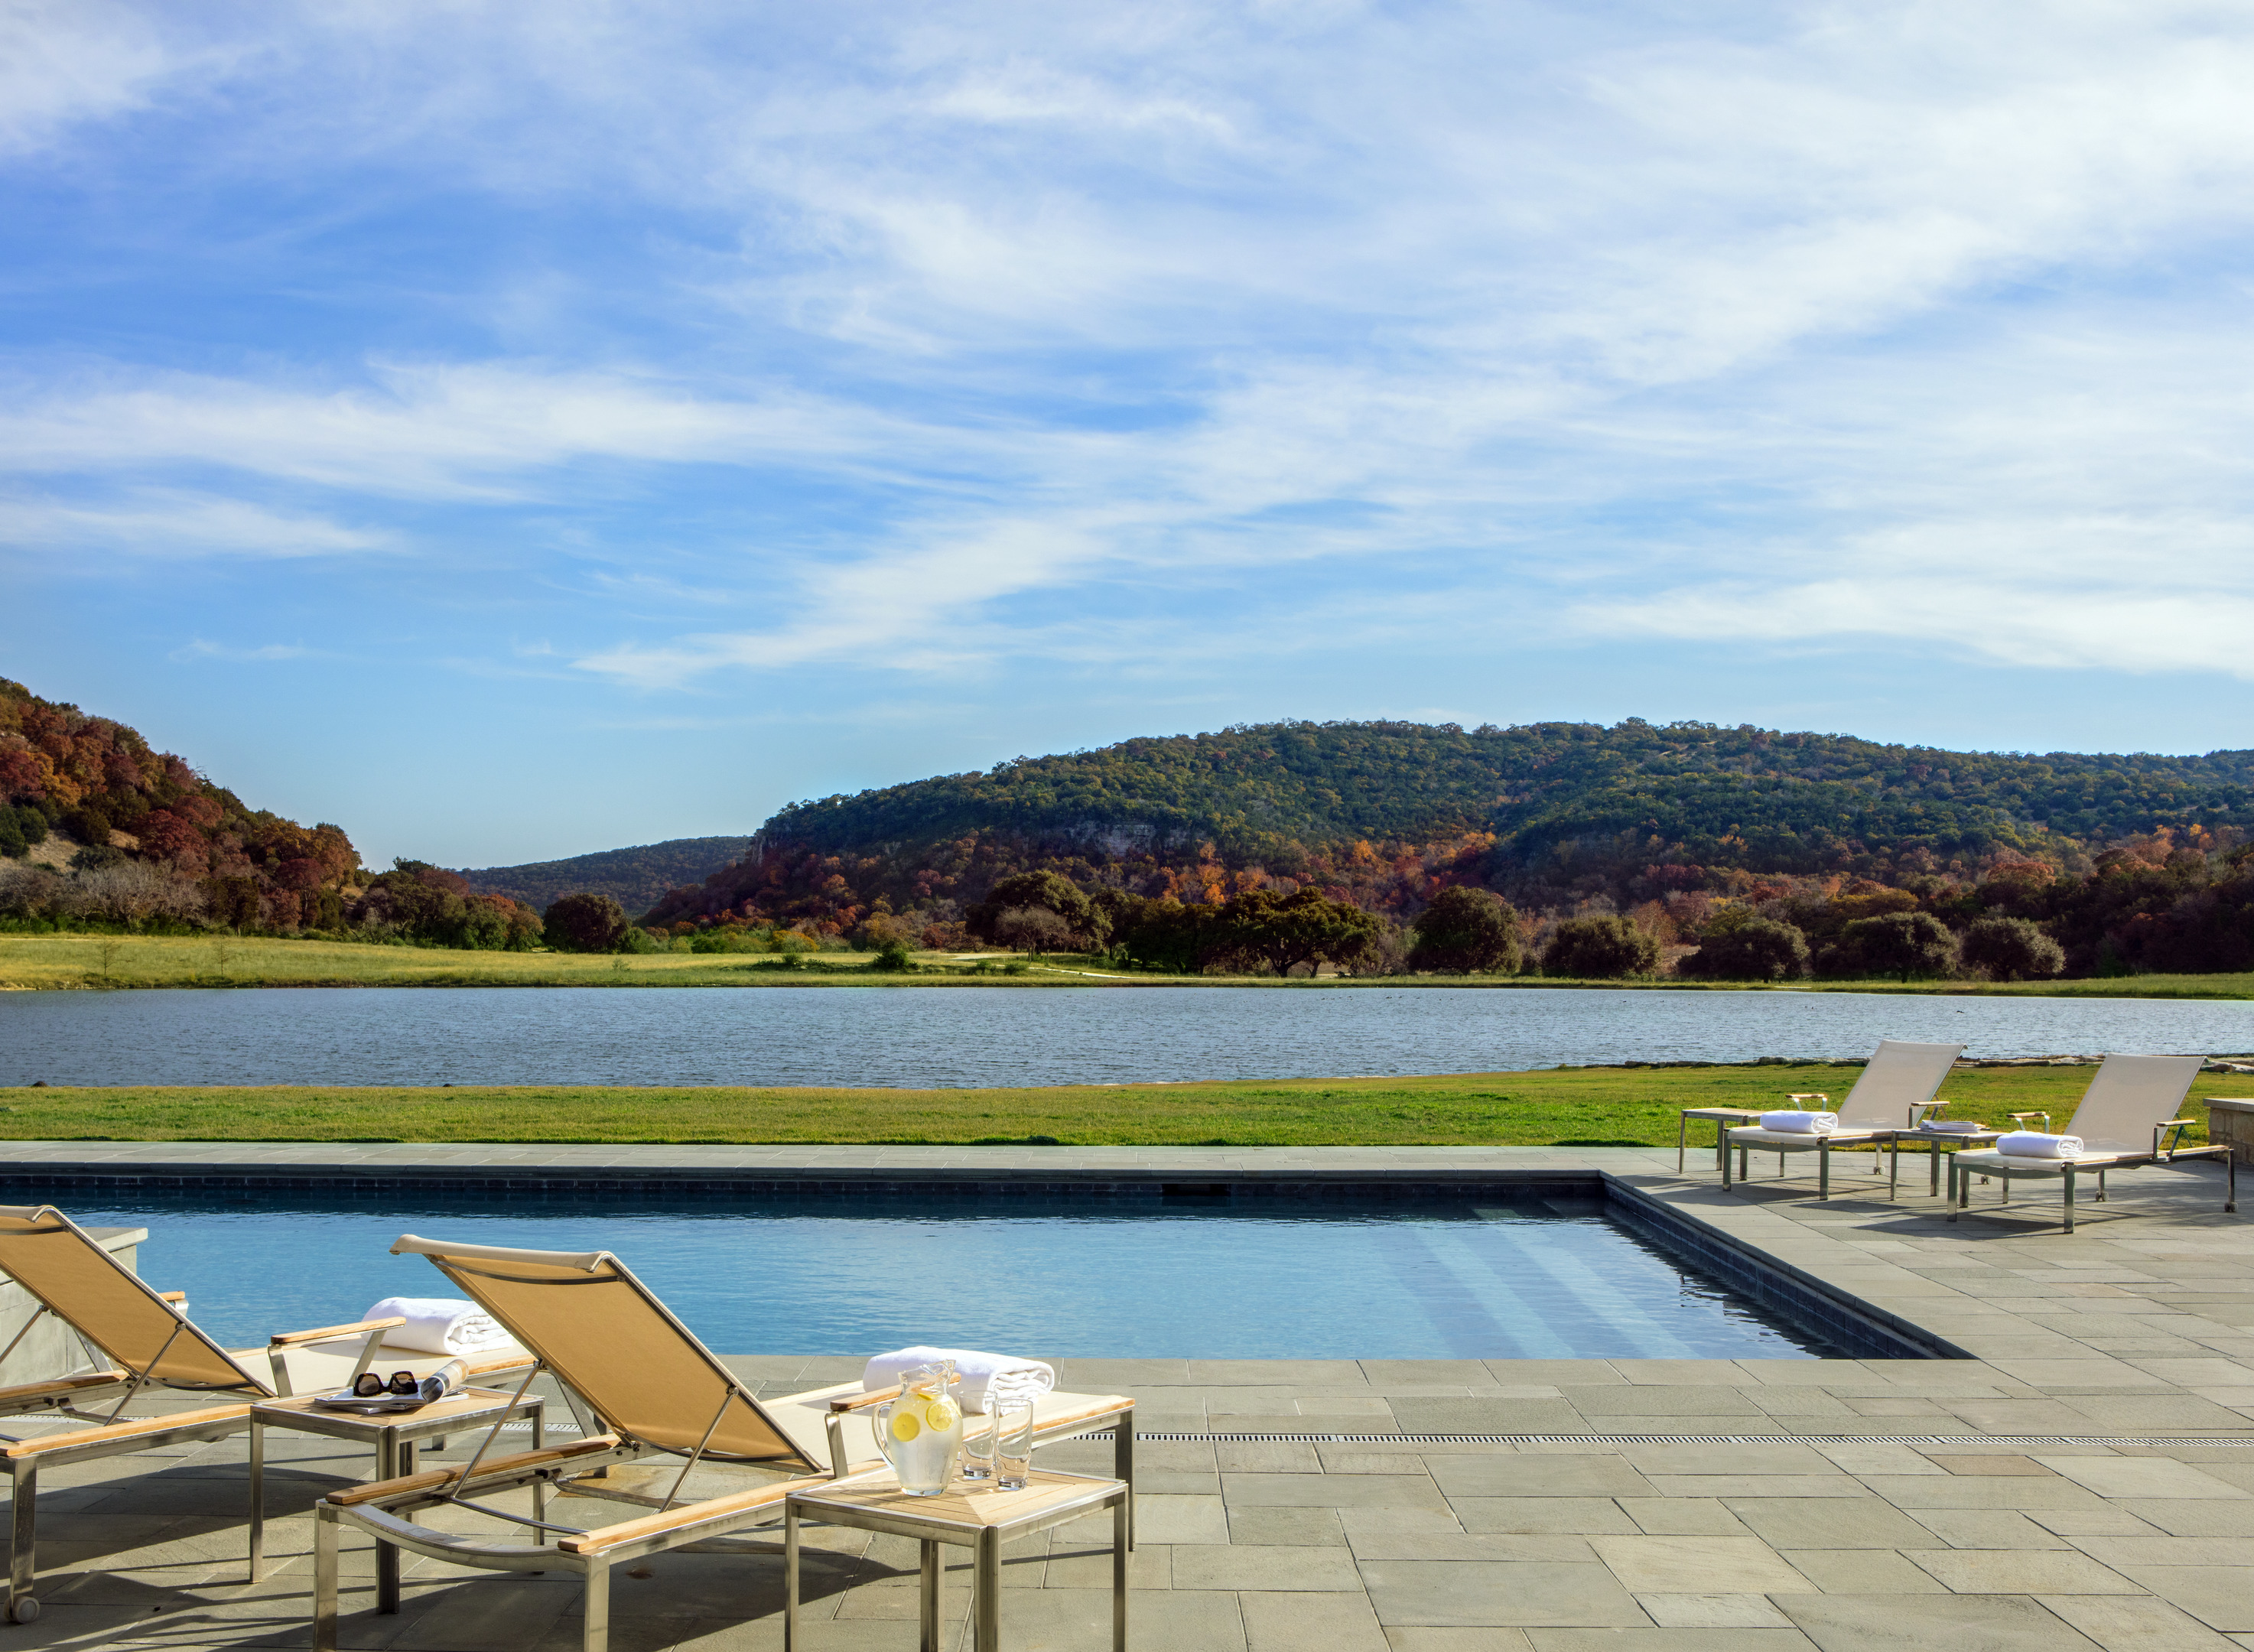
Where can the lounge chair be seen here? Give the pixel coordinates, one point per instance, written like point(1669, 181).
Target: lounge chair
point(1897, 1086)
point(642, 1385)
point(2123, 1119)
point(135, 1339)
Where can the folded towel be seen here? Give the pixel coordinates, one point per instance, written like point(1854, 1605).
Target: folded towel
point(979, 1372)
point(1952, 1124)
point(2028, 1143)
point(441, 1325)
point(1801, 1124)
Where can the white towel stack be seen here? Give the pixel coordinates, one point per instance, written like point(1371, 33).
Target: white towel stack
point(2028, 1143)
point(1801, 1124)
point(986, 1377)
point(442, 1325)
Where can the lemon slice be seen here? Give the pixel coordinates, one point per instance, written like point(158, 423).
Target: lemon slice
point(940, 1416)
point(905, 1426)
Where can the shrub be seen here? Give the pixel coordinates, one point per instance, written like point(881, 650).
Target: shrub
point(1907, 945)
point(586, 923)
point(2013, 949)
point(1468, 931)
point(1599, 950)
point(1758, 950)
point(893, 955)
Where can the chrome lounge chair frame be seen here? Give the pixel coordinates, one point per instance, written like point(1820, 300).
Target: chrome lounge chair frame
point(135, 1339)
point(2127, 1116)
point(641, 1384)
point(1899, 1082)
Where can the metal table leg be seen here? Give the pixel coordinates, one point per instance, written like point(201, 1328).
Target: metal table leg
point(989, 1574)
point(1121, 1529)
point(1123, 1464)
point(928, 1610)
point(394, 1457)
point(257, 1498)
point(789, 1577)
point(1681, 1136)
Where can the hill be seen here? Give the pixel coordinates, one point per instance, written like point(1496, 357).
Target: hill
point(154, 839)
point(1555, 815)
point(635, 877)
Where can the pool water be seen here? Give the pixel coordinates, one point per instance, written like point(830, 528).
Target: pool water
point(1051, 1277)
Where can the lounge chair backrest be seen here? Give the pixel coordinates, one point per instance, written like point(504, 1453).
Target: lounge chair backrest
point(105, 1302)
point(613, 1343)
point(2130, 1095)
point(1899, 1077)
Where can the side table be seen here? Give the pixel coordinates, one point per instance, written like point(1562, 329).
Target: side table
point(1961, 1138)
point(966, 1516)
point(394, 1435)
point(1723, 1118)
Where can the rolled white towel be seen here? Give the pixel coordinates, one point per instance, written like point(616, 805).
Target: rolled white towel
point(441, 1325)
point(1801, 1124)
point(979, 1373)
point(2028, 1143)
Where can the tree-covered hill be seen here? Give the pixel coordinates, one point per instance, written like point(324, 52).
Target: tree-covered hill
point(1388, 813)
point(634, 878)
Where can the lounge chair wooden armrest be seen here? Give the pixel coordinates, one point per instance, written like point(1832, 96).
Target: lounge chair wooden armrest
point(691, 1515)
point(493, 1467)
point(331, 1333)
point(131, 1428)
point(27, 1393)
point(173, 1296)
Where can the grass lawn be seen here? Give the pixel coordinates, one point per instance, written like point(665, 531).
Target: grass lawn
point(36, 961)
point(1565, 1107)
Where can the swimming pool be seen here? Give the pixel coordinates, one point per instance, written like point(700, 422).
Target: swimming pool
point(1496, 1274)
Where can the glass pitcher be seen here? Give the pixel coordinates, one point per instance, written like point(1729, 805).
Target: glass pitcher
point(920, 1433)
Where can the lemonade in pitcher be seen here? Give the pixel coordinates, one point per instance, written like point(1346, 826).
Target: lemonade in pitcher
point(921, 1432)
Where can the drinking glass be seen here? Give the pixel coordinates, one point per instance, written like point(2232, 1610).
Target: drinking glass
point(978, 1451)
point(1013, 1442)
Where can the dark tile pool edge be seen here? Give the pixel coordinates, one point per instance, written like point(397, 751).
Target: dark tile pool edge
point(1864, 1330)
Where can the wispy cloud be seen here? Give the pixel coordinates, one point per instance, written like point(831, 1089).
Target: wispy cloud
point(200, 649)
point(169, 524)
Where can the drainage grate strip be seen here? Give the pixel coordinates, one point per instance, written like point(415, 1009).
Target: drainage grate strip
point(2154, 1440)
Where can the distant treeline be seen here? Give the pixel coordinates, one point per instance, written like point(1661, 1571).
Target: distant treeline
point(1668, 830)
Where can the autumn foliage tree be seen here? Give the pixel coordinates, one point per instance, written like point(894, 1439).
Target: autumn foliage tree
point(1467, 932)
point(586, 923)
point(1599, 950)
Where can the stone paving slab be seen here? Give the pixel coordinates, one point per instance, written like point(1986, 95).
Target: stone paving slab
point(2141, 1323)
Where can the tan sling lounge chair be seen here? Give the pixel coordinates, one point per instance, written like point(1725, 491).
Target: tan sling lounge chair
point(642, 1385)
point(2124, 1118)
point(1897, 1086)
point(136, 1339)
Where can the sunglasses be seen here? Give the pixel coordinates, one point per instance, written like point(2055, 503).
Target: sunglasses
point(368, 1384)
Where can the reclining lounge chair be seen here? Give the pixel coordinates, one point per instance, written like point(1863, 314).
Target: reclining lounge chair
point(136, 1339)
point(1896, 1087)
point(641, 1386)
point(2123, 1119)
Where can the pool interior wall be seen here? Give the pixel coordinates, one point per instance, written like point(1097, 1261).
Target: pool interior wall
point(1543, 1266)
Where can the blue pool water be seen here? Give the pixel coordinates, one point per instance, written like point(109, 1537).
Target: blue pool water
point(834, 1275)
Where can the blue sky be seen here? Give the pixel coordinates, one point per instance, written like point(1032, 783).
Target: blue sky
point(514, 430)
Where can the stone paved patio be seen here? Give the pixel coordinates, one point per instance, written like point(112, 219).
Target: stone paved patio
point(2141, 1325)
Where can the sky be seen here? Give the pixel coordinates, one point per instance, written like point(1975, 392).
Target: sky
point(514, 430)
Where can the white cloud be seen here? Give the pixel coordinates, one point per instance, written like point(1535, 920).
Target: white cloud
point(200, 649)
point(1790, 324)
point(65, 63)
point(155, 523)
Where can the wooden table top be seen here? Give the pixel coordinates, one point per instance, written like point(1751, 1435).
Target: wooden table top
point(964, 1503)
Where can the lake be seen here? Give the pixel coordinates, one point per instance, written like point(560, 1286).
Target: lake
point(976, 1036)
